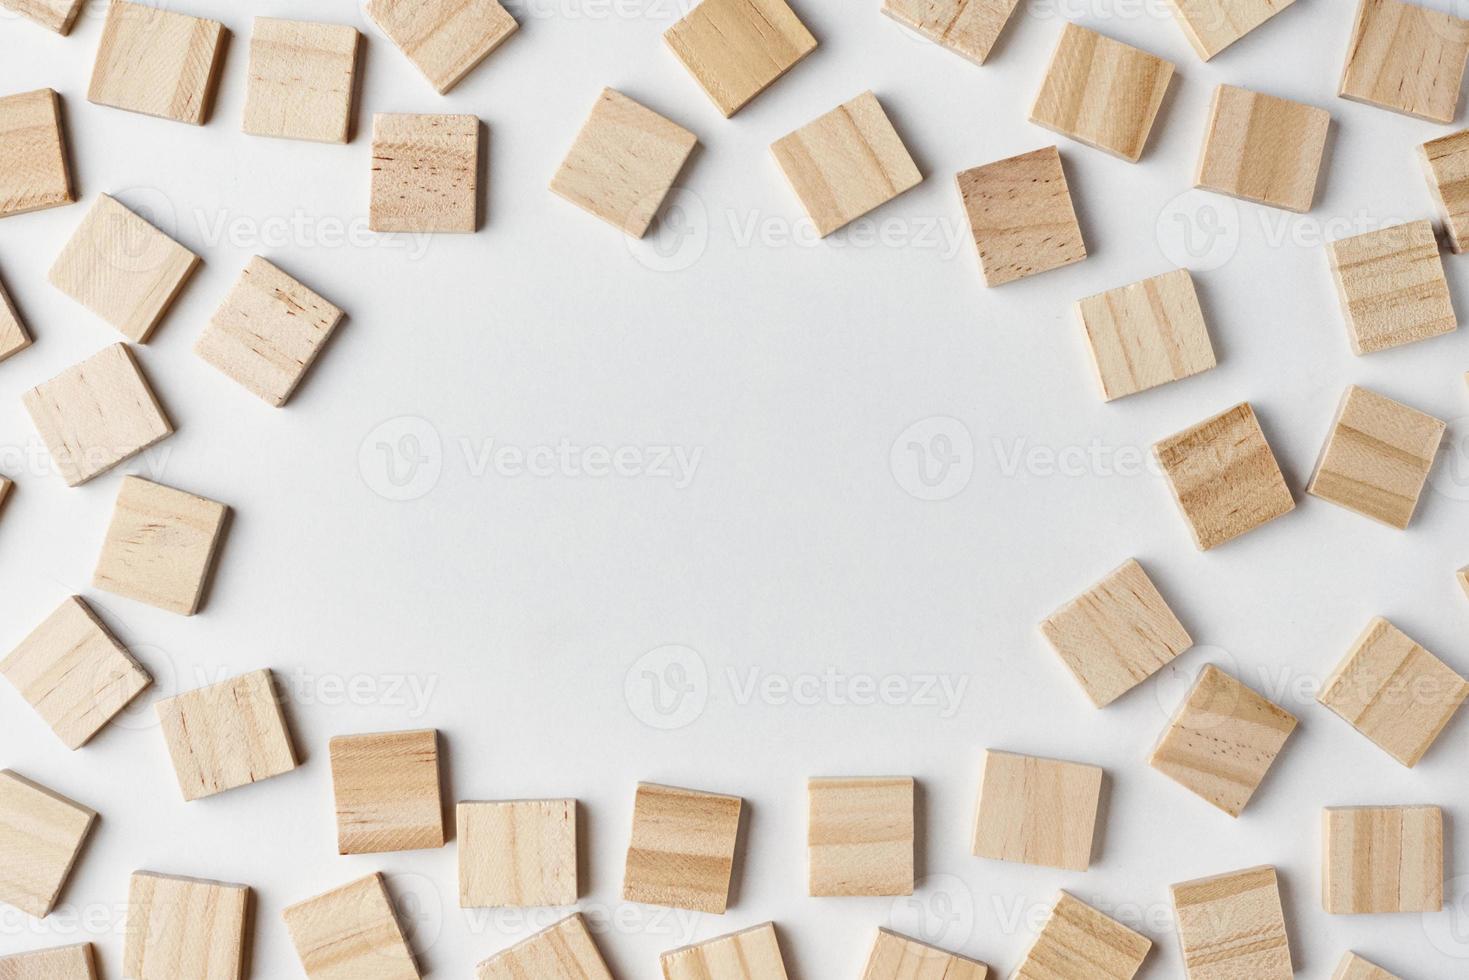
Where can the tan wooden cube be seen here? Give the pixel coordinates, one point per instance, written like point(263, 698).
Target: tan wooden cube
point(59, 963)
point(425, 173)
point(736, 49)
point(1446, 165)
point(517, 854)
point(861, 836)
point(302, 77)
point(1463, 577)
point(1147, 334)
point(896, 957)
point(1382, 859)
point(387, 792)
point(1377, 458)
point(13, 335)
point(34, 170)
point(1263, 148)
point(1232, 927)
point(351, 933)
point(1037, 811)
point(753, 954)
point(226, 735)
point(623, 163)
point(1354, 967)
point(1392, 287)
point(157, 62)
point(1213, 25)
point(1394, 692)
point(682, 850)
point(54, 15)
point(445, 39)
point(160, 546)
point(1021, 216)
point(1406, 58)
point(41, 834)
point(185, 929)
point(846, 163)
point(967, 27)
point(1080, 943)
point(1101, 92)
point(566, 951)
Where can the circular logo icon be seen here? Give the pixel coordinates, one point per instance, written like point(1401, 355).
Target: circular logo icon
point(402, 459)
point(136, 249)
point(139, 714)
point(939, 912)
point(1198, 230)
point(933, 459)
point(680, 234)
point(1448, 931)
point(1450, 476)
point(420, 909)
point(1174, 682)
point(667, 688)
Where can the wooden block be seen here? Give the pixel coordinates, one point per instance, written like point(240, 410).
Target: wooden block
point(1021, 216)
point(302, 76)
point(34, 172)
point(445, 39)
point(623, 163)
point(1382, 859)
point(122, 268)
point(351, 933)
point(1263, 149)
point(1213, 25)
point(41, 834)
point(1446, 165)
point(896, 957)
point(736, 49)
point(1224, 476)
point(1392, 287)
point(861, 836)
point(387, 792)
point(96, 414)
point(5, 488)
point(60, 963)
point(1406, 58)
point(1037, 811)
point(1232, 927)
point(517, 854)
point(226, 735)
point(753, 954)
point(1377, 458)
point(185, 929)
point(1394, 692)
point(425, 173)
point(1146, 334)
point(682, 850)
point(13, 335)
point(1464, 580)
point(157, 62)
point(55, 15)
point(160, 546)
point(1080, 943)
point(1101, 92)
point(966, 27)
point(566, 951)
point(1354, 967)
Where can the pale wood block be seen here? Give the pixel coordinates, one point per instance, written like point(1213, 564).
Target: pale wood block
point(1037, 811)
point(41, 834)
point(566, 951)
point(861, 836)
point(302, 76)
point(96, 414)
point(387, 792)
point(896, 957)
point(517, 854)
point(1021, 216)
point(160, 546)
point(74, 672)
point(623, 163)
point(34, 170)
point(1263, 148)
point(1354, 967)
point(1382, 859)
point(736, 49)
point(682, 850)
point(1232, 927)
point(61, 963)
point(1394, 692)
point(6, 486)
point(1446, 165)
point(425, 173)
point(1406, 58)
point(1377, 458)
point(1101, 92)
point(753, 954)
point(1463, 577)
point(226, 735)
point(1392, 287)
point(445, 39)
point(1080, 943)
point(351, 933)
point(157, 62)
point(13, 335)
point(1213, 25)
point(185, 929)
point(122, 268)
point(1147, 334)
point(1224, 476)
point(55, 15)
point(967, 27)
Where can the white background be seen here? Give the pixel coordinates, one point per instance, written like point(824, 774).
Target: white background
point(520, 607)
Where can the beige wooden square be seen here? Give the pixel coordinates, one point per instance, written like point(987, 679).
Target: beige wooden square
point(13, 335)
point(1232, 927)
point(1407, 58)
point(6, 486)
point(41, 834)
point(566, 951)
point(226, 735)
point(623, 163)
point(896, 957)
point(1037, 811)
point(682, 850)
point(861, 836)
point(302, 76)
point(1446, 165)
point(351, 933)
point(425, 173)
point(160, 546)
point(445, 39)
point(1392, 287)
point(1021, 216)
point(157, 62)
point(55, 15)
point(1354, 967)
point(753, 954)
point(59, 963)
point(1213, 25)
point(1224, 476)
point(1377, 458)
point(185, 929)
point(1463, 577)
point(1394, 692)
point(1101, 92)
point(736, 49)
point(1080, 943)
point(517, 854)
point(1146, 334)
point(1382, 859)
point(34, 170)
point(1263, 149)
point(967, 27)
point(387, 792)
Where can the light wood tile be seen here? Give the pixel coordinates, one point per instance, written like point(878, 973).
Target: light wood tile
point(59, 963)
point(387, 792)
point(517, 854)
point(736, 49)
point(1463, 577)
point(1080, 943)
point(302, 76)
point(1213, 25)
point(753, 954)
point(41, 834)
point(1232, 927)
point(1021, 216)
point(185, 929)
point(1446, 165)
point(226, 735)
point(1037, 811)
point(425, 173)
point(351, 933)
point(896, 957)
point(1263, 149)
point(1147, 334)
point(861, 836)
point(13, 335)
point(1354, 967)
point(1382, 859)
point(55, 15)
point(6, 486)
point(566, 951)
point(158, 62)
point(1377, 458)
point(34, 169)
point(683, 848)
point(445, 39)
point(1392, 287)
point(969, 28)
point(160, 546)
point(1406, 58)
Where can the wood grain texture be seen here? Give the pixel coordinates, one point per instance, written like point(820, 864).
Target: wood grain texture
point(226, 735)
point(351, 933)
point(185, 929)
point(1463, 577)
point(160, 546)
point(1021, 216)
point(14, 337)
point(566, 951)
point(1382, 859)
point(736, 49)
point(1406, 58)
point(41, 834)
point(1392, 287)
point(1263, 149)
point(1377, 458)
point(387, 792)
point(6, 485)
point(753, 954)
point(1080, 943)
point(54, 15)
point(425, 173)
point(157, 62)
point(969, 28)
point(302, 77)
point(1213, 25)
point(861, 836)
point(1037, 811)
point(35, 171)
point(59, 963)
point(1146, 334)
point(1446, 165)
point(683, 848)
point(445, 39)
point(1354, 967)
point(517, 854)
point(896, 957)
point(1232, 927)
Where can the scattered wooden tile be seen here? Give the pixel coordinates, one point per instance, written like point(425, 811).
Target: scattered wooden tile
point(1446, 164)
point(1354, 967)
point(1080, 943)
point(623, 163)
point(861, 836)
point(1263, 148)
point(34, 171)
point(517, 854)
point(1147, 334)
point(302, 75)
point(1213, 25)
point(1392, 287)
point(445, 39)
point(896, 957)
point(226, 735)
point(1224, 476)
point(682, 850)
point(13, 335)
point(425, 173)
point(351, 933)
point(60, 963)
point(5, 487)
point(55, 15)
point(1377, 458)
point(387, 792)
point(1464, 579)
point(1232, 926)
point(96, 414)
point(157, 62)
point(966, 27)
point(41, 834)
point(753, 954)
point(185, 929)
point(1406, 58)
point(1382, 859)
point(160, 546)
point(1021, 216)
point(566, 951)
point(736, 49)
point(1037, 811)
point(1101, 92)
point(1394, 692)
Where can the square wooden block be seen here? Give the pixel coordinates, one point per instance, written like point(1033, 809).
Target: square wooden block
point(226, 735)
point(1021, 216)
point(74, 672)
point(160, 546)
point(1446, 165)
point(517, 854)
point(96, 414)
point(445, 39)
point(1232, 926)
point(1222, 741)
point(846, 163)
point(157, 62)
point(861, 836)
point(41, 834)
point(966, 27)
point(1382, 859)
point(1101, 92)
point(1224, 476)
point(34, 171)
point(61, 963)
point(55, 15)
point(1147, 334)
point(682, 850)
point(1406, 58)
point(1463, 577)
point(387, 792)
point(1354, 967)
point(1377, 458)
point(1263, 149)
point(623, 163)
point(1037, 811)
point(13, 335)
point(302, 77)
point(122, 268)
point(1392, 287)
point(896, 957)
point(1213, 25)
point(1394, 692)
point(425, 173)
point(736, 49)
point(268, 332)
point(351, 933)
point(753, 954)
point(185, 929)
point(566, 951)
point(1080, 943)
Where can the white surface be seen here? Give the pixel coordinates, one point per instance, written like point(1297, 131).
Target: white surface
point(522, 604)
